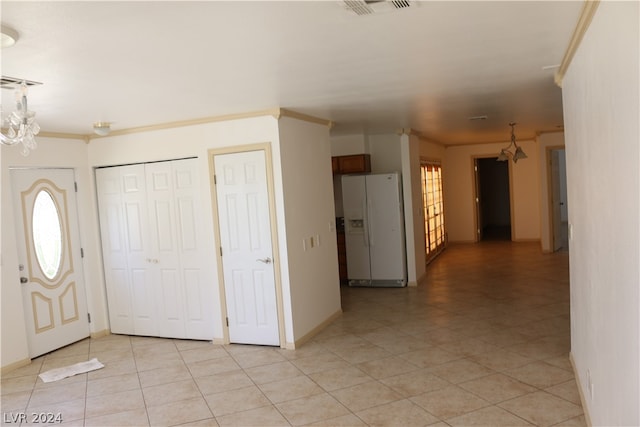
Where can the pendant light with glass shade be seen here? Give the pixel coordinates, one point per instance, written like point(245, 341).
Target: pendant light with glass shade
point(516, 154)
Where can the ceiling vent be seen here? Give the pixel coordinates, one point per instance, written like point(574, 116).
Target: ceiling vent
point(369, 7)
point(12, 82)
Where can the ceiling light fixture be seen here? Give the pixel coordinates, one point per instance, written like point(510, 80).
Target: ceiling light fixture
point(102, 128)
point(515, 155)
point(21, 125)
point(9, 36)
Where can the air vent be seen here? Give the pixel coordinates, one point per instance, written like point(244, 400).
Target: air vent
point(12, 82)
point(370, 7)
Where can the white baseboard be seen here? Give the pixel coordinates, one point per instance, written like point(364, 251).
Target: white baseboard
point(585, 409)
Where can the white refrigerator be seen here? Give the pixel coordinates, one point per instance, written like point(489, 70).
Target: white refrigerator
point(374, 230)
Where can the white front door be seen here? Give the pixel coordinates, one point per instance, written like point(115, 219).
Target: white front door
point(49, 253)
point(247, 254)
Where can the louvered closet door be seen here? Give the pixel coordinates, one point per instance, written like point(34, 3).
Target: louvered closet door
point(158, 282)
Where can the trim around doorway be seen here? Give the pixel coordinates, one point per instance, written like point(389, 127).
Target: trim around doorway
point(266, 147)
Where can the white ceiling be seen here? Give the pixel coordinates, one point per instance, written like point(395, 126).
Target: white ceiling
point(429, 67)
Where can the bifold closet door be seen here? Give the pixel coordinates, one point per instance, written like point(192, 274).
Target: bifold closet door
point(158, 281)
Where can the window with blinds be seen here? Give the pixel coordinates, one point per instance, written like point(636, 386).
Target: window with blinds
point(435, 238)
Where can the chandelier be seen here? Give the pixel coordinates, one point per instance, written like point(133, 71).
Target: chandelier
point(517, 154)
point(21, 127)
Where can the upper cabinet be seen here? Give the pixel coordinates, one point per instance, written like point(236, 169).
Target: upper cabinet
point(356, 163)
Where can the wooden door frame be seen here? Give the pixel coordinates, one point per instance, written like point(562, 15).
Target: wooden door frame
point(266, 147)
point(476, 196)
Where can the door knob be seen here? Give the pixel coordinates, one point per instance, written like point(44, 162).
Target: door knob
point(24, 280)
point(266, 260)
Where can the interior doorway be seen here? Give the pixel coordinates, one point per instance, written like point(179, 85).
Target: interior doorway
point(248, 266)
point(493, 200)
point(558, 204)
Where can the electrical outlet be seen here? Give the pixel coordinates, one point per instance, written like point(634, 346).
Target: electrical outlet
point(304, 245)
point(317, 240)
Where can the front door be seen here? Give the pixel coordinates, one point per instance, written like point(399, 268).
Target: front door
point(246, 246)
point(50, 258)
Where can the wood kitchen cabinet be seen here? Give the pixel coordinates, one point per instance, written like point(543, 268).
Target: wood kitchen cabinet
point(356, 163)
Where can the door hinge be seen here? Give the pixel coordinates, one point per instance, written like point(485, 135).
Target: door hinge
point(220, 250)
point(75, 186)
point(89, 317)
point(227, 321)
point(81, 252)
point(215, 179)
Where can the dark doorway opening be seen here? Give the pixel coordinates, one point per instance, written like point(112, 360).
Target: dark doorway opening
point(494, 204)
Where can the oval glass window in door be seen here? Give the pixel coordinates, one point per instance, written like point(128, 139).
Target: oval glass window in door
point(47, 234)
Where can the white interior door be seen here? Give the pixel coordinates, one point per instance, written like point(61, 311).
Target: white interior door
point(127, 250)
point(49, 251)
point(247, 254)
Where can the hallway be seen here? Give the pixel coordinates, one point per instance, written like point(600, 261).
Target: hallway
point(484, 341)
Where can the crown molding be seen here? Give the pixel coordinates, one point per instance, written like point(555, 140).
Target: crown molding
point(420, 135)
point(283, 112)
point(61, 135)
point(277, 113)
point(183, 123)
point(586, 16)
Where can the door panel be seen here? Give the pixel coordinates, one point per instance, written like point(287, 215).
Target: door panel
point(195, 252)
point(245, 234)
point(164, 253)
point(159, 279)
point(386, 227)
point(49, 254)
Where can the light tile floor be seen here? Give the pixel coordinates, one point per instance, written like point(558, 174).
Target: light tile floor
point(484, 341)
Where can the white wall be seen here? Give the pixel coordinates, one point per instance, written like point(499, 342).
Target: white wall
point(309, 213)
point(195, 141)
point(385, 153)
point(59, 153)
point(546, 140)
point(458, 190)
point(344, 145)
point(601, 113)
point(413, 211)
point(312, 213)
point(432, 151)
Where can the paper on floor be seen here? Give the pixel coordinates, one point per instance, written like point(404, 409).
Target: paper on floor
point(69, 371)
